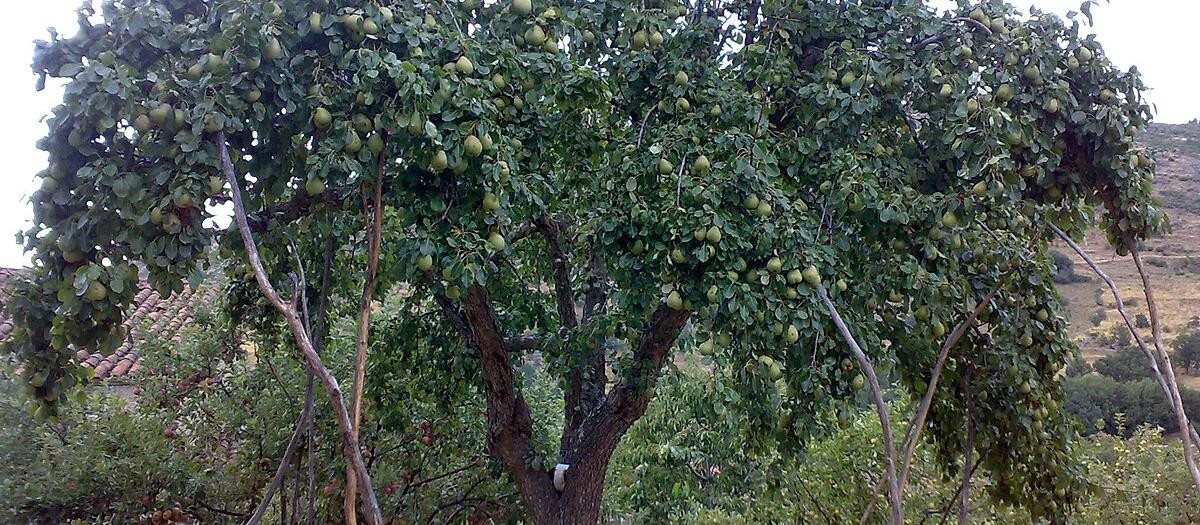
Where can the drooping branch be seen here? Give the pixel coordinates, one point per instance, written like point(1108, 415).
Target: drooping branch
point(880, 406)
point(1151, 360)
point(300, 335)
point(374, 239)
point(917, 423)
point(1168, 371)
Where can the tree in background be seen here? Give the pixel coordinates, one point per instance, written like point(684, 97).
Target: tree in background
point(1187, 349)
point(583, 180)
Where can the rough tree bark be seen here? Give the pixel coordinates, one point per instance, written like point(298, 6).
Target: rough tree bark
point(300, 335)
point(374, 240)
point(588, 448)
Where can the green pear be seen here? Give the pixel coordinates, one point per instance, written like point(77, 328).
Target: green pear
point(674, 301)
point(774, 265)
point(522, 7)
point(811, 275)
point(322, 118)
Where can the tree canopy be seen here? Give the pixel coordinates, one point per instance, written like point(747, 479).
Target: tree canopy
point(607, 184)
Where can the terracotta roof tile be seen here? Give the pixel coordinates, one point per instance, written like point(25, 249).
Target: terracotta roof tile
point(151, 314)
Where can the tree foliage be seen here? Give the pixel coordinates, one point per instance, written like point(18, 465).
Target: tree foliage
point(660, 164)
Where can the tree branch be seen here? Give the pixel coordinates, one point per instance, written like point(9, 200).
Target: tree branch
point(1176, 398)
point(374, 239)
point(299, 333)
point(510, 426)
point(880, 406)
point(1112, 286)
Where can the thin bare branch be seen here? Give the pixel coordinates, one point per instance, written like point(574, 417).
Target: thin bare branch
point(880, 406)
point(299, 334)
point(1151, 360)
point(1168, 371)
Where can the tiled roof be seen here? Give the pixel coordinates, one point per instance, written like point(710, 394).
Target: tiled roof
point(151, 315)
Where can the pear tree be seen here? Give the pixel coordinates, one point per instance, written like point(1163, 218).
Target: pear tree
point(606, 185)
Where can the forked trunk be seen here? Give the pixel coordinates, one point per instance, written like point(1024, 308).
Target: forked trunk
point(579, 501)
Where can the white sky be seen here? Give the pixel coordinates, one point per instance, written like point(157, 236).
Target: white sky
point(1159, 36)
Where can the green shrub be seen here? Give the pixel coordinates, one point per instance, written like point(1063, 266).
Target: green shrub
point(1126, 364)
point(1186, 355)
point(1104, 404)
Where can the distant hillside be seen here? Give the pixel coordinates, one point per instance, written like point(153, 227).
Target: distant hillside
point(1173, 260)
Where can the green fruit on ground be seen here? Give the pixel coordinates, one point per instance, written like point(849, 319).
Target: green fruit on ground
point(425, 263)
point(674, 301)
point(464, 65)
point(472, 146)
point(490, 201)
point(812, 276)
point(314, 187)
point(96, 291)
point(774, 265)
point(496, 242)
point(522, 7)
point(439, 162)
point(714, 235)
point(322, 118)
point(375, 143)
point(794, 276)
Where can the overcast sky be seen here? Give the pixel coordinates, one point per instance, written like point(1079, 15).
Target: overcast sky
point(1159, 36)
